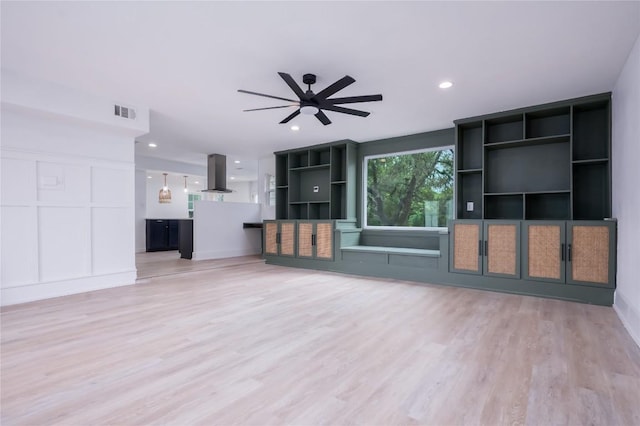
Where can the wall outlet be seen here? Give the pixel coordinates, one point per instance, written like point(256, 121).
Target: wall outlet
point(469, 206)
point(316, 188)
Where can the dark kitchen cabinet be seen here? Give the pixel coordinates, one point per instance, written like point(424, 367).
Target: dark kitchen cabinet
point(162, 234)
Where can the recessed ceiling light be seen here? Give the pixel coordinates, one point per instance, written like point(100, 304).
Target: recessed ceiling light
point(445, 85)
point(295, 128)
point(232, 178)
point(196, 182)
point(148, 177)
point(237, 161)
point(152, 145)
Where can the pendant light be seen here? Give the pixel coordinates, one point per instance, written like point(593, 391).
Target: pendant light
point(185, 184)
point(164, 196)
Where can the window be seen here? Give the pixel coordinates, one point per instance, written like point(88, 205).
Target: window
point(191, 199)
point(270, 189)
point(409, 189)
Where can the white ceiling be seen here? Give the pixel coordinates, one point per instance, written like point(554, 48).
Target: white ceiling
point(186, 60)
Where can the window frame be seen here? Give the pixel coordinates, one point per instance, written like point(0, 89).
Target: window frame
point(365, 176)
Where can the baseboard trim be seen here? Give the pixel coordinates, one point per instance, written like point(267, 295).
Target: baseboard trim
point(48, 290)
point(629, 317)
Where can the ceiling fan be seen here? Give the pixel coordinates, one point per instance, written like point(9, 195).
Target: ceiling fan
point(310, 103)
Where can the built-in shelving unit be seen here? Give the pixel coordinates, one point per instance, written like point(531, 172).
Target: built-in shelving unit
point(546, 162)
point(316, 182)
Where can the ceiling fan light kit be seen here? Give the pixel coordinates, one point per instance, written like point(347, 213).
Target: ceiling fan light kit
point(309, 109)
point(310, 103)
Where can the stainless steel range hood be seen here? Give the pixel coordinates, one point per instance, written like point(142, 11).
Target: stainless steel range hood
point(217, 174)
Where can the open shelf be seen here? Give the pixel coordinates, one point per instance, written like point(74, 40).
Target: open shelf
point(304, 183)
point(316, 182)
point(338, 164)
point(548, 206)
point(503, 129)
point(528, 168)
point(319, 210)
point(468, 171)
point(594, 161)
point(591, 195)
point(550, 122)
point(504, 206)
point(299, 211)
point(282, 170)
point(591, 131)
point(469, 188)
point(529, 142)
point(547, 161)
point(298, 159)
point(469, 152)
point(281, 207)
point(320, 156)
point(317, 166)
point(338, 200)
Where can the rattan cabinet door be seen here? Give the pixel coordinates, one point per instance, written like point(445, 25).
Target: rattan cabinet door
point(270, 238)
point(591, 253)
point(544, 250)
point(287, 239)
point(305, 239)
point(502, 248)
point(279, 238)
point(466, 240)
point(324, 240)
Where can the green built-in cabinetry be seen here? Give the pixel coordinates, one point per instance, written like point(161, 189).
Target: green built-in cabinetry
point(537, 183)
point(316, 182)
point(304, 239)
point(571, 252)
point(279, 238)
point(545, 162)
point(486, 247)
point(533, 190)
point(315, 187)
point(574, 252)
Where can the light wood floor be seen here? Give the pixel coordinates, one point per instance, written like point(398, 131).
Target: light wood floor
point(160, 263)
point(261, 344)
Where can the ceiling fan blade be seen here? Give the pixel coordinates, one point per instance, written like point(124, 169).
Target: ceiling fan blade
point(293, 85)
point(292, 116)
point(266, 96)
point(335, 87)
point(323, 118)
point(353, 99)
point(345, 110)
point(275, 107)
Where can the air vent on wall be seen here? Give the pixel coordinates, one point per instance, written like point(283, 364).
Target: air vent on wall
point(125, 112)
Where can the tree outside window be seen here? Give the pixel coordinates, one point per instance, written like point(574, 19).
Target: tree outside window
point(412, 189)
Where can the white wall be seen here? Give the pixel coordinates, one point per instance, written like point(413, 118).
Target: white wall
point(242, 192)
point(67, 200)
point(141, 210)
point(218, 232)
point(266, 165)
point(626, 196)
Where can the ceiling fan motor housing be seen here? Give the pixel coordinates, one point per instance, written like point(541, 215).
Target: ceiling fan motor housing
point(309, 79)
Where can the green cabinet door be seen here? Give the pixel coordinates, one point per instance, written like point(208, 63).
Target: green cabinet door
point(466, 246)
point(544, 251)
point(279, 238)
point(501, 248)
point(315, 239)
point(591, 253)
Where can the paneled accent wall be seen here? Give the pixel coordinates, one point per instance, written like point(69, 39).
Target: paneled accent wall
point(65, 222)
point(67, 198)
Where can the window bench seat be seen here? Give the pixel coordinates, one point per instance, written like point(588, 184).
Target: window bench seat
point(393, 250)
point(392, 256)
